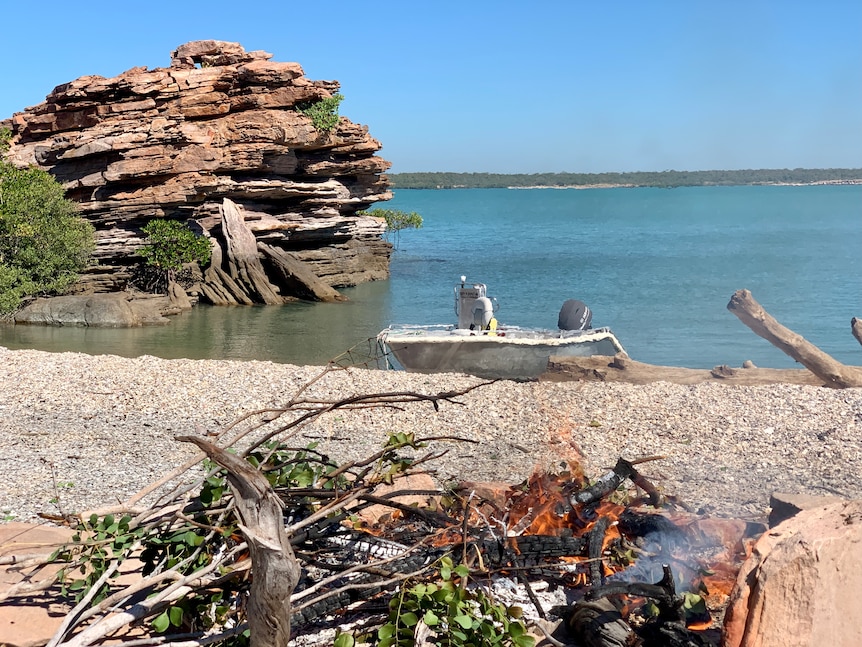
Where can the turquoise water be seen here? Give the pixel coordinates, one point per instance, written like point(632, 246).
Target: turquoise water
point(656, 265)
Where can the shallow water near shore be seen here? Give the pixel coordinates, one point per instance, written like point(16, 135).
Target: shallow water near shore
point(658, 266)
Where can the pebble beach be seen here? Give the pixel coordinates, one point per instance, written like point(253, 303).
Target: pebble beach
point(79, 432)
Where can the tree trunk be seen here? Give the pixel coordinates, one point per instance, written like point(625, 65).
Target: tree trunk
point(275, 571)
point(832, 372)
point(295, 275)
point(243, 260)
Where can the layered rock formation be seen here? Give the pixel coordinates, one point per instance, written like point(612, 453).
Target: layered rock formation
point(220, 129)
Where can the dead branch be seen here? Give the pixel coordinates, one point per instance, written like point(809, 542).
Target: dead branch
point(832, 372)
point(109, 624)
point(261, 516)
point(856, 328)
point(276, 571)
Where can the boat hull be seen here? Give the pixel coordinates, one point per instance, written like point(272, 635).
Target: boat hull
point(510, 356)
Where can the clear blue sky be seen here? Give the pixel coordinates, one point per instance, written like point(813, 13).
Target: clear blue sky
point(510, 86)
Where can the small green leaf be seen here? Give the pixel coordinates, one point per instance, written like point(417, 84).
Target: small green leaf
point(388, 630)
point(343, 640)
point(464, 620)
point(176, 616)
point(524, 641)
point(430, 618)
point(161, 622)
point(694, 605)
point(409, 619)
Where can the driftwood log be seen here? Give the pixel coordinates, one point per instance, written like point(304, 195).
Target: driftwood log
point(276, 571)
point(601, 368)
point(833, 373)
point(819, 369)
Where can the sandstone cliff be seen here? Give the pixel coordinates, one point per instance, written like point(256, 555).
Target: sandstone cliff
point(218, 130)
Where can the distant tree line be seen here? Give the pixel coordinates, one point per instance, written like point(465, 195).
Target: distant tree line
point(662, 179)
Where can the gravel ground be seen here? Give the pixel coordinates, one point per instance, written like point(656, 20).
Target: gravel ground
point(80, 431)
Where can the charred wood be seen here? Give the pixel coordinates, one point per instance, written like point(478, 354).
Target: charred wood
point(609, 482)
point(604, 485)
point(667, 628)
point(598, 623)
point(652, 527)
point(596, 539)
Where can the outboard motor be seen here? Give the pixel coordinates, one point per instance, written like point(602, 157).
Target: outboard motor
point(483, 312)
point(575, 315)
point(472, 307)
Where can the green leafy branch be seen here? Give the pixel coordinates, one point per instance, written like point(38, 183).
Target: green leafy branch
point(169, 246)
point(396, 221)
point(323, 112)
point(456, 614)
point(44, 244)
point(5, 139)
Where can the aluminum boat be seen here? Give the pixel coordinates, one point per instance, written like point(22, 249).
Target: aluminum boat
point(478, 345)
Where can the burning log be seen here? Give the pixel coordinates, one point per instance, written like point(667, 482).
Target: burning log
point(832, 372)
point(608, 483)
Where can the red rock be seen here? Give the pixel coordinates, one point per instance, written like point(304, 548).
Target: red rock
point(421, 481)
point(34, 621)
point(801, 586)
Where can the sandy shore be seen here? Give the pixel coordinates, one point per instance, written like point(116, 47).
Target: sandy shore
point(80, 431)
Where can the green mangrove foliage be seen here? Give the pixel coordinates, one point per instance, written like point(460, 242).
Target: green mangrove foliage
point(170, 245)
point(323, 113)
point(44, 243)
point(455, 614)
point(396, 221)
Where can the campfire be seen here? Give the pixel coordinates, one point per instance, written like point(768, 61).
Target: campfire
point(272, 528)
point(636, 562)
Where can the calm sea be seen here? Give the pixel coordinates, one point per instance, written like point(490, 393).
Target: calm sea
point(656, 265)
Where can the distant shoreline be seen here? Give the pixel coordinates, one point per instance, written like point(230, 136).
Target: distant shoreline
point(660, 179)
point(637, 186)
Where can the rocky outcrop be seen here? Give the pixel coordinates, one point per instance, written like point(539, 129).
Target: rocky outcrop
point(112, 310)
point(219, 127)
